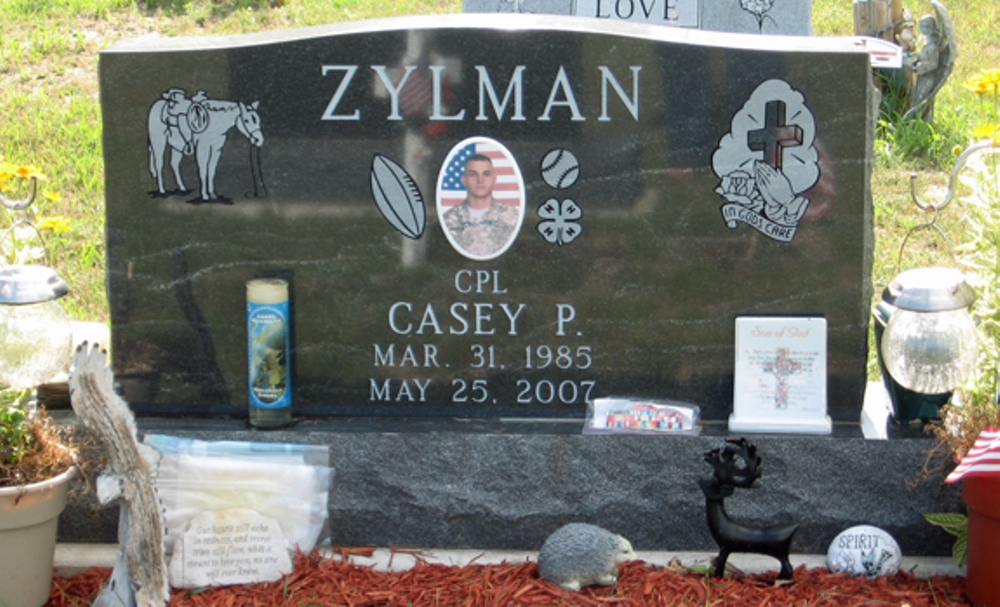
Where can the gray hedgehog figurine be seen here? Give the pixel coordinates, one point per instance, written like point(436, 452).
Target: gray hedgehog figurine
point(579, 555)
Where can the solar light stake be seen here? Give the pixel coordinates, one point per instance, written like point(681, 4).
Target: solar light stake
point(36, 336)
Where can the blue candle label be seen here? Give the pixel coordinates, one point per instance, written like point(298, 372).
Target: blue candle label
point(267, 350)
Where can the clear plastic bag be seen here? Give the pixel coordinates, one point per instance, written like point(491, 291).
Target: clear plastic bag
point(289, 483)
point(635, 416)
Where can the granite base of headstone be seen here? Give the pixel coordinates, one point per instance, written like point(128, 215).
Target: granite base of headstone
point(497, 486)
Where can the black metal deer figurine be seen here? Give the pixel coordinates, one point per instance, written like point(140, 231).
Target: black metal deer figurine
point(737, 465)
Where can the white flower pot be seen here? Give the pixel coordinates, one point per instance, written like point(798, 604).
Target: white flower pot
point(29, 517)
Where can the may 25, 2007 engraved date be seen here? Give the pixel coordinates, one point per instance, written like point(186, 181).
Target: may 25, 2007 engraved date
point(528, 392)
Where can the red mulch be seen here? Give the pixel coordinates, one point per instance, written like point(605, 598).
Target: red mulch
point(320, 582)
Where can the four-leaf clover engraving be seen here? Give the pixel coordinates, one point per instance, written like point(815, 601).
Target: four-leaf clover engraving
point(560, 219)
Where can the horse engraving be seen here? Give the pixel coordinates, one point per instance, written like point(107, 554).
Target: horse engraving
point(196, 126)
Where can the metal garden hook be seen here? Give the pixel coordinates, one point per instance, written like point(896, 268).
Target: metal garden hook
point(956, 169)
point(930, 225)
point(22, 205)
point(949, 194)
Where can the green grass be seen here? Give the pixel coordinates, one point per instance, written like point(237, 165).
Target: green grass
point(51, 112)
point(51, 118)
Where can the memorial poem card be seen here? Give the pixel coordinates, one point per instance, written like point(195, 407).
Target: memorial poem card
point(780, 375)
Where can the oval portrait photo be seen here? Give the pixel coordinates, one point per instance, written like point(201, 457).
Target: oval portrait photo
point(480, 198)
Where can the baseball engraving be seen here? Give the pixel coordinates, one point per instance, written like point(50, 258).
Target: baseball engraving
point(560, 168)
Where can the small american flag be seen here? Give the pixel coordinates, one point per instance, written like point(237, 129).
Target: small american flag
point(416, 94)
point(507, 188)
point(982, 460)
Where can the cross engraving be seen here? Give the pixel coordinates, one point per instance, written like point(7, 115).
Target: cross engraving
point(776, 135)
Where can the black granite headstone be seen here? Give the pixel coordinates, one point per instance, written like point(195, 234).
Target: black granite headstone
point(648, 185)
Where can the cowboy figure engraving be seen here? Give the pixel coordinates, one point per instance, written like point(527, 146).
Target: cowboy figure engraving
point(196, 126)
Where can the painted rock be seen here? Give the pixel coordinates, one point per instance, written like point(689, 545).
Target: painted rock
point(864, 550)
point(229, 546)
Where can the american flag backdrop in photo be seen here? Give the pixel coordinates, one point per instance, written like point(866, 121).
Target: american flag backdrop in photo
point(507, 187)
point(983, 459)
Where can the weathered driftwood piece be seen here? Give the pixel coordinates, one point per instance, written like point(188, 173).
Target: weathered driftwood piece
point(140, 575)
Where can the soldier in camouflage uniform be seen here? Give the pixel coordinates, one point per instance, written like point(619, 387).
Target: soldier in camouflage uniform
point(480, 225)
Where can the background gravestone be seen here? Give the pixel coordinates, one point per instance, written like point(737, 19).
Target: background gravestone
point(665, 183)
point(788, 17)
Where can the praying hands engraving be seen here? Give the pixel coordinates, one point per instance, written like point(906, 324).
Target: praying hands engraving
point(767, 161)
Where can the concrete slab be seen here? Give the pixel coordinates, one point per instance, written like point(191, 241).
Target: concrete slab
point(74, 558)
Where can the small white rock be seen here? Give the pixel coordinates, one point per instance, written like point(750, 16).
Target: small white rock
point(864, 550)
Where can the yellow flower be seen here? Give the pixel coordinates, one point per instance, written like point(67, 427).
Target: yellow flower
point(52, 195)
point(987, 81)
point(6, 174)
point(985, 131)
point(28, 172)
point(54, 224)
